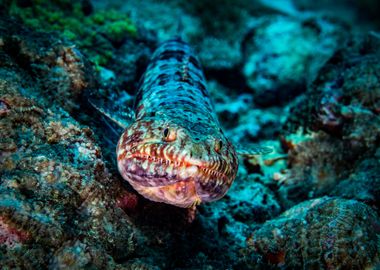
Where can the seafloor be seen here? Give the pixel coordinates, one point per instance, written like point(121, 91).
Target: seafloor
point(302, 77)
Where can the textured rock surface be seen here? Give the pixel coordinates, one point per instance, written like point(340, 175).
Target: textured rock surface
point(54, 186)
point(324, 233)
point(340, 120)
point(282, 55)
point(345, 96)
point(60, 73)
point(363, 184)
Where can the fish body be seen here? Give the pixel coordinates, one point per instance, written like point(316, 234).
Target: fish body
point(175, 151)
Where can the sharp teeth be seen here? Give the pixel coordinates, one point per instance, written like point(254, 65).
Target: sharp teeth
point(169, 169)
point(192, 171)
point(165, 153)
point(151, 167)
point(183, 173)
point(182, 155)
point(145, 164)
point(132, 165)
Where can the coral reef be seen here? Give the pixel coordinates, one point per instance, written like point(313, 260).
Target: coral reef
point(339, 120)
point(59, 69)
point(54, 185)
point(299, 76)
point(97, 32)
point(344, 98)
point(325, 233)
point(316, 163)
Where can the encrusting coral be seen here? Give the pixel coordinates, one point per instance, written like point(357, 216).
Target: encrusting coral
point(324, 233)
point(54, 185)
point(345, 97)
point(335, 125)
point(96, 33)
point(58, 68)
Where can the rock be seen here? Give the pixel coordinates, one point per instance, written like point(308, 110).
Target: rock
point(58, 68)
point(358, 13)
point(242, 122)
point(251, 201)
point(215, 30)
point(345, 96)
point(363, 184)
point(339, 120)
point(54, 185)
point(316, 164)
point(324, 233)
point(282, 55)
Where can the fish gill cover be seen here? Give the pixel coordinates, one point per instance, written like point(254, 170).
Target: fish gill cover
point(301, 78)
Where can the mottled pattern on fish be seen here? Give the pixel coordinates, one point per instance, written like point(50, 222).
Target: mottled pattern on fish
point(175, 152)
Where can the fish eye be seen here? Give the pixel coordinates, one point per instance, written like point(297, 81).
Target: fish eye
point(218, 145)
point(166, 132)
point(169, 135)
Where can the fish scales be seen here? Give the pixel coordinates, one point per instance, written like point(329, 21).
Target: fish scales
point(174, 87)
point(176, 133)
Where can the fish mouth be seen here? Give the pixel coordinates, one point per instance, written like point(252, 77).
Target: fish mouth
point(172, 170)
point(181, 181)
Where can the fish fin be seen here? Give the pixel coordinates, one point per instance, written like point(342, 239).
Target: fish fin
point(116, 109)
point(251, 150)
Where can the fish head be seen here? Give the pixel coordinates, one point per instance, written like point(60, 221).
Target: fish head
point(166, 162)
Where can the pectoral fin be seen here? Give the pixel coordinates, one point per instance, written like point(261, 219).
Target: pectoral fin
point(251, 150)
point(115, 109)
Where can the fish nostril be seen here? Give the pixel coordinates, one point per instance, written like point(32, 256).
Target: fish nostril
point(218, 146)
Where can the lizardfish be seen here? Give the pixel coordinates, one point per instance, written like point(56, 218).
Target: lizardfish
point(175, 151)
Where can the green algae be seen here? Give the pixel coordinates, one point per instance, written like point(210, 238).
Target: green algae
point(96, 33)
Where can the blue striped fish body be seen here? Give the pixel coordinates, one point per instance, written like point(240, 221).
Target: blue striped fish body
point(175, 152)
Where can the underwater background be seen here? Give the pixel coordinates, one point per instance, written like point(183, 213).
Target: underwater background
point(301, 77)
